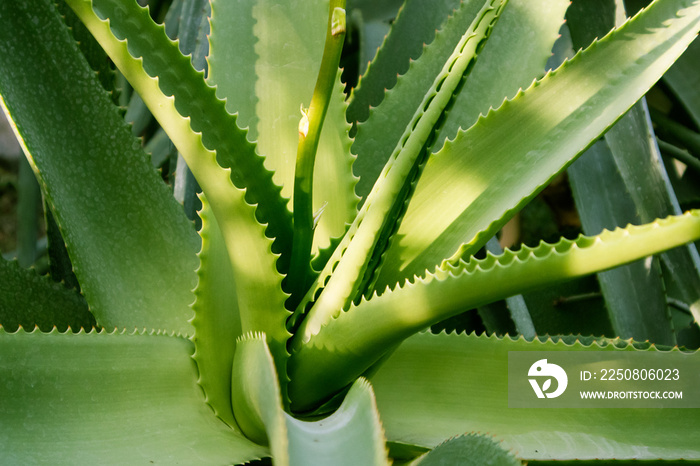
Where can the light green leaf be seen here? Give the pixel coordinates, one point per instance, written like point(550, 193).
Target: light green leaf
point(105, 398)
point(464, 195)
point(413, 28)
point(256, 396)
point(332, 358)
point(512, 58)
point(187, 108)
point(351, 435)
point(255, 266)
point(376, 138)
point(349, 270)
point(265, 57)
point(634, 294)
point(517, 308)
point(132, 248)
point(437, 386)
point(217, 321)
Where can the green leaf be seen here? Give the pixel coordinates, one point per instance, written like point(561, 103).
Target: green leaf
point(464, 196)
point(102, 398)
point(513, 57)
point(348, 272)
point(132, 248)
point(351, 435)
point(628, 183)
point(648, 183)
point(256, 396)
point(505, 64)
point(28, 299)
point(468, 450)
point(437, 386)
point(264, 60)
point(332, 358)
point(414, 27)
point(376, 138)
point(187, 108)
point(96, 57)
point(217, 320)
point(255, 266)
point(634, 294)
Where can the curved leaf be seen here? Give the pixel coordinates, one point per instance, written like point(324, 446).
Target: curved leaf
point(132, 248)
point(464, 195)
point(217, 322)
point(346, 273)
point(255, 266)
point(351, 435)
point(339, 353)
point(174, 91)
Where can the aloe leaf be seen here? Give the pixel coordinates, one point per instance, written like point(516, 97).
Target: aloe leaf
point(96, 396)
point(232, 59)
point(264, 61)
point(334, 356)
point(376, 138)
point(630, 180)
point(656, 198)
point(351, 435)
point(346, 272)
point(518, 63)
point(134, 254)
point(255, 266)
point(413, 27)
point(471, 449)
point(465, 183)
point(179, 98)
point(683, 80)
point(634, 294)
point(28, 299)
point(513, 57)
point(217, 321)
point(462, 382)
point(256, 396)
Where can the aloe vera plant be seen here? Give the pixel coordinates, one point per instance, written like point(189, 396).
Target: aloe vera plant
point(321, 257)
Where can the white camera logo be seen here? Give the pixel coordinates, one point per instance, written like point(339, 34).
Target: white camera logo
point(542, 368)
